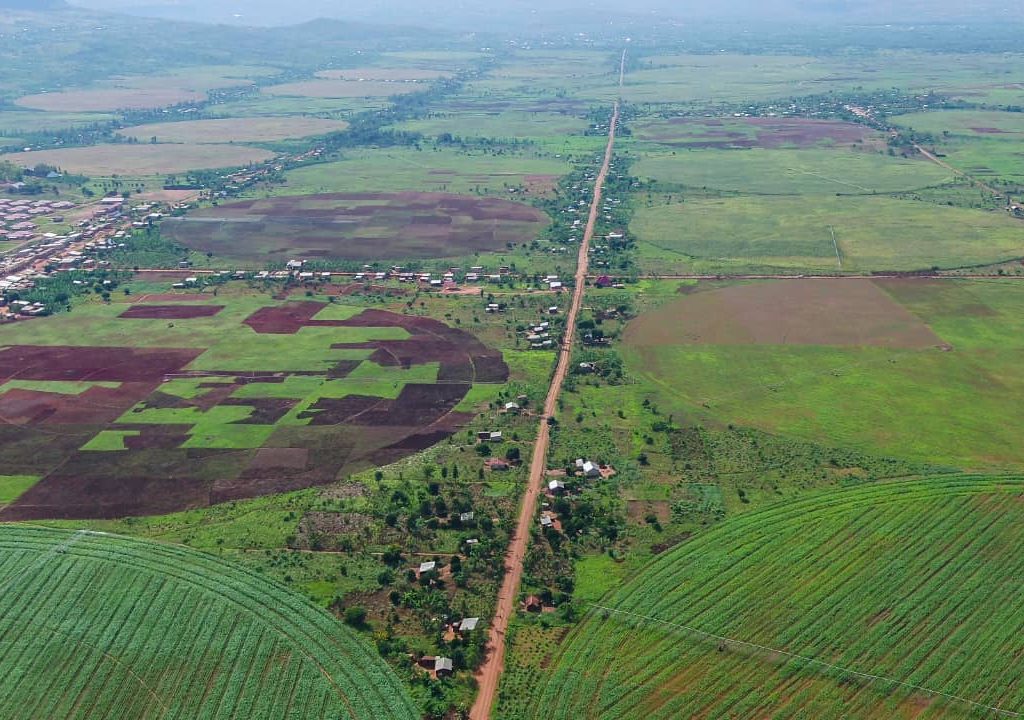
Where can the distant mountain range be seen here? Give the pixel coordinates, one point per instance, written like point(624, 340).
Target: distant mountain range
point(33, 4)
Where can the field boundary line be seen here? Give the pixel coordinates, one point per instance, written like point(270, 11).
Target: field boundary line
point(811, 661)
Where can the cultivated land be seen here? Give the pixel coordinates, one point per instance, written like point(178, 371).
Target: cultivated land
point(908, 368)
point(160, 407)
point(358, 226)
point(790, 172)
point(878, 562)
point(265, 129)
point(384, 74)
point(737, 133)
point(98, 626)
point(106, 160)
point(341, 89)
point(796, 233)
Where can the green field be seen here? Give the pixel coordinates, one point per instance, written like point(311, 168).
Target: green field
point(954, 405)
point(502, 125)
point(795, 233)
point(889, 579)
point(789, 172)
point(972, 123)
point(99, 626)
point(434, 170)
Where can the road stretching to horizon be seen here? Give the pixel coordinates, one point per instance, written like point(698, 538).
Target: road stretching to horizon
point(489, 675)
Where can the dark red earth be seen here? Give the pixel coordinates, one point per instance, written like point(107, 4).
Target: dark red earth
point(42, 433)
point(171, 312)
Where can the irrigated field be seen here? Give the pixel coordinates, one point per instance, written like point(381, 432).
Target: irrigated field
point(146, 408)
point(917, 369)
point(264, 129)
point(774, 614)
point(358, 226)
point(100, 627)
point(822, 233)
point(126, 159)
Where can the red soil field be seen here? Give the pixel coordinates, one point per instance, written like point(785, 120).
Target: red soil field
point(42, 433)
point(171, 312)
point(754, 132)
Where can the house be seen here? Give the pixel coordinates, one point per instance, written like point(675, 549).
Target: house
point(427, 567)
point(512, 408)
point(443, 667)
point(466, 516)
point(587, 367)
point(603, 282)
point(533, 604)
point(468, 624)
point(545, 521)
point(497, 465)
point(553, 310)
point(496, 436)
point(556, 487)
point(591, 470)
point(483, 435)
point(555, 285)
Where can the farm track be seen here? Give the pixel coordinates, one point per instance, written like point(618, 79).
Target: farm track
point(871, 632)
point(489, 674)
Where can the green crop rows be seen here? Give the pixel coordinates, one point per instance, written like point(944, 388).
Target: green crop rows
point(99, 626)
point(915, 581)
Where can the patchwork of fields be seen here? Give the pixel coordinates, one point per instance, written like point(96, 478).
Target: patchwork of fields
point(358, 226)
point(160, 407)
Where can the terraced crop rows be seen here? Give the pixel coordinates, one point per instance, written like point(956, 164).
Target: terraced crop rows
point(916, 581)
point(97, 626)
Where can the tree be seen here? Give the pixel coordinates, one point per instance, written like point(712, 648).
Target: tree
point(356, 617)
point(512, 454)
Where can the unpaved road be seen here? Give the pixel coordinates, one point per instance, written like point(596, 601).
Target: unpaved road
point(489, 674)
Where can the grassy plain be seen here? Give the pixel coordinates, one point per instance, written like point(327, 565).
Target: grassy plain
point(133, 629)
point(795, 233)
point(142, 160)
point(953, 404)
point(235, 130)
point(500, 125)
point(789, 172)
point(322, 88)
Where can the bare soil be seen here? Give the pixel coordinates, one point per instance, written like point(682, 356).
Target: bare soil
point(171, 312)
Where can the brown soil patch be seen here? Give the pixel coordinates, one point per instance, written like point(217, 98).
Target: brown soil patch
point(358, 226)
point(158, 473)
point(786, 312)
point(110, 99)
point(989, 131)
point(638, 510)
point(243, 130)
point(171, 312)
point(372, 73)
point(754, 132)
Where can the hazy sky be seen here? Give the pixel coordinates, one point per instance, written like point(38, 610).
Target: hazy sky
point(494, 14)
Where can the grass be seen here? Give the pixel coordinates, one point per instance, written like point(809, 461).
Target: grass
point(872, 233)
point(239, 130)
point(790, 172)
point(956, 407)
point(964, 122)
point(321, 88)
point(133, 629)
point(142, 160)
point(62, 387)
point(432, 170)
point(504, 125)
point(29, 121)
point(12, 487)
point(885, 579)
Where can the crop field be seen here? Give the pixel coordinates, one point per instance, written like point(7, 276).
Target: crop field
point(502, 125)
point(736, 133)
point(972, 123)
point(358, 226)
point(892, 579)
point(402, 169)
point(12, 121)
point(155, 406)
point(149, 91)
point(845, 364)
point(264, 129)
point(134, 160)
point(870, 233)
point(384, 74)
point(322, 88)
point(789, 172)
point(98, 626)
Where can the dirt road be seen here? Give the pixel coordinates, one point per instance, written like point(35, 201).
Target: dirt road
point(490, 672)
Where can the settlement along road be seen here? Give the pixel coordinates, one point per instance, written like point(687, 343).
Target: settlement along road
point(490, 672)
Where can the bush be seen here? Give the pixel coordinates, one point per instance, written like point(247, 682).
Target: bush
point(355, 616)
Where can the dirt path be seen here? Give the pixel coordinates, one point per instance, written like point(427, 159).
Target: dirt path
point(960, 173)
point(489, 674)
